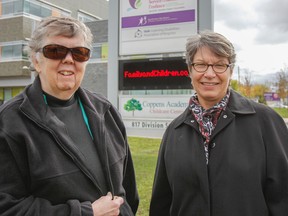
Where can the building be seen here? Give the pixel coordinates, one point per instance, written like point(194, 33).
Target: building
point(18, 18)
point(95, 78)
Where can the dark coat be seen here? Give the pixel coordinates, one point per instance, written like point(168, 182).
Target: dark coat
point(247, 173)
point(43, 173)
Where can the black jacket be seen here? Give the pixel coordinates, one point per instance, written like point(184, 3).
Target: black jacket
point(247, 173)
point(43, 173)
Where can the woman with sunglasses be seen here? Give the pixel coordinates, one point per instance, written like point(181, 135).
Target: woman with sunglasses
point(224, 155)
point(63, 149)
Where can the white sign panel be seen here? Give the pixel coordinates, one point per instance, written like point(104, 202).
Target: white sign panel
point(156, 26)
point(152, 107)
point(146, 124)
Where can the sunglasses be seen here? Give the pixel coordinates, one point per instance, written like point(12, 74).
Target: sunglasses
point(54, 51)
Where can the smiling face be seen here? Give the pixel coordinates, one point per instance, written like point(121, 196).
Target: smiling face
point(210, 87)
point(60, 78)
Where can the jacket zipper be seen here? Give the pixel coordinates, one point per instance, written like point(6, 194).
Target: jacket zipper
point(67, 152)
point(102, 140)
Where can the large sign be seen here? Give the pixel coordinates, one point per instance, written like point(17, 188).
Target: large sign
point(156, 26)
point(167, 73)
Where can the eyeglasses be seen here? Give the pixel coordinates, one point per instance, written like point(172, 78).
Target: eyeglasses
point(217, 68)
point(54, 51)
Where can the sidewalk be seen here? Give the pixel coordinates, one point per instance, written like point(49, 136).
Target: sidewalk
point(286, 121)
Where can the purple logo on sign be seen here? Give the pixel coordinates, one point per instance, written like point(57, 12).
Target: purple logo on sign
point(159, 19)
point(135, 3)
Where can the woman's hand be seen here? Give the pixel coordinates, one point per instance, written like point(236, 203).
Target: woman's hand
point(106, 206)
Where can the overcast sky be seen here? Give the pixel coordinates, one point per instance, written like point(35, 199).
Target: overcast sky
point(259, 31)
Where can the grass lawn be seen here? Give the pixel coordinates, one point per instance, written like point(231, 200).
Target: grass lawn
point(282, 112)
point(144, 152)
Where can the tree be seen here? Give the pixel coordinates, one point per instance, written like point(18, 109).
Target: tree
point(132, 105)
point(282, 83)
point(258, 91)
point(246, 85)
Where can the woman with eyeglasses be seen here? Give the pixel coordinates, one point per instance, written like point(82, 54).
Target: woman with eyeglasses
point(63, 149)
point(225, 155)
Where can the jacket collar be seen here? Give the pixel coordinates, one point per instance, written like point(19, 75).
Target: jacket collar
point(239, 104)
point(34, 104)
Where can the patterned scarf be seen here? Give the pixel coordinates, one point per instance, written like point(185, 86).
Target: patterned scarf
point(207, 119)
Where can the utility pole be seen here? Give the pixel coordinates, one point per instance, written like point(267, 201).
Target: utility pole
point(238, 70)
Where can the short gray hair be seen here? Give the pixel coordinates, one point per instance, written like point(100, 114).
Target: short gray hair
point(218, 44)
point(58, 26)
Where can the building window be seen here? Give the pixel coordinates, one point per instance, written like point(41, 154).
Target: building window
point(6, 93)
point(36, 8)
point(12, 7)
point(24, 52)
point(12, 52)
point(85, 17)
point(96, 53)
point(100, 52)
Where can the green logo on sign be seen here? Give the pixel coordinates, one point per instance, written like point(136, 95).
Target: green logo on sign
point(132, 105)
